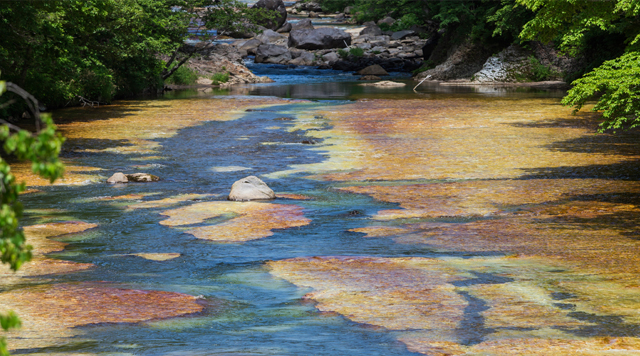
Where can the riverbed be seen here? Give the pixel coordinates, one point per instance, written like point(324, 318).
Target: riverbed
point(442, 221)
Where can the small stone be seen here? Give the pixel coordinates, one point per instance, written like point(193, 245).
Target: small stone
point(385, 84)
point(142, 177)
point(118, 178)
point(251, 188)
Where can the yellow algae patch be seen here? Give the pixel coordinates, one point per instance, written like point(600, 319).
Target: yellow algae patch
point(167, 202)
point(381, 231)
point(31, 191)
point(394, 293)
point(460, 138)
point(49, 313)
point(547, 342)
point(157, 256)
point(483, 197)
point(250, 221)
point(73, 175)
point(38, 237)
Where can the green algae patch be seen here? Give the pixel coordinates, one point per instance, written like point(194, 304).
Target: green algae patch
point(51, 314)
point(248, 220)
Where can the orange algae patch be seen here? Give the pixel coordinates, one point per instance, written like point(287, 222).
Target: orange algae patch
point(157, 256)
point(453, 138)
point(167, 202)
point(49, 313)
point(250, 221)
point(426, 301)
point(395, 293)
point(38, 237)
point(73, 175)
point(483, 197)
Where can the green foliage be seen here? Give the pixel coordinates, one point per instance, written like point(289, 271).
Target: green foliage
point(540, 72)
point(42, 149)
point(183, 76)
point(220, 78)
point(356, 52)
point(618, 81)
point(428, 64)
point(233, 16)
point(343, 53)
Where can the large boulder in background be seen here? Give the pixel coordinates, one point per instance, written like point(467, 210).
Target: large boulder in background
point(304, 24)
point(373, 70)
point(251, 188)
point(271, 53)
point(319, 38)
point(275, 5)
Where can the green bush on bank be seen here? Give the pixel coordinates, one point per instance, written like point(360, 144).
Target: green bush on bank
point(219, 78)
point(183, 76)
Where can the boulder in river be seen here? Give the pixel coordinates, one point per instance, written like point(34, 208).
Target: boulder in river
point(373, 70)
point(371, 30)
point(275, 5)
point(271, 53)
point(387, 20)
point(142, 177)
point(402, 34)
point(302, 25)
point(118, 178)
point(250, 46)
point(385, 84)
point(320, 38)
point(271, 37)
point(286, 28)
point(251, 188)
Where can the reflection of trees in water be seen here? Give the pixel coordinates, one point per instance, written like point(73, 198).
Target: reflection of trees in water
point(319, 91)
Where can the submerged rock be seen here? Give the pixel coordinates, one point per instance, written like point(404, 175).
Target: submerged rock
point(386, 83)
point(118, 178)
point(251, 188)
point(142, 177)
point(373, 70)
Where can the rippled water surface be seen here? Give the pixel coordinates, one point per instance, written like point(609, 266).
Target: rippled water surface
point(476, 221)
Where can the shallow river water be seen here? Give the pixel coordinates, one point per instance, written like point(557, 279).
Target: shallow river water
point(448, 221)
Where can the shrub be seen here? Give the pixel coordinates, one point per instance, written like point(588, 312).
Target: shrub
point(183, 76)
point(356, 51)
point(539, 71)
point(343, 53)
point(219, 78)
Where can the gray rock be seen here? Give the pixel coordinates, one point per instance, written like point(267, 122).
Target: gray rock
point(272, 54)
point(364, 46)
point(250, 46)
point(271, 37)
point(331, 57)
point(142, 177)
point(313, 14)
point(369, 24)
point(387, 20)
point(340, 17)
point(369, 77)
point(118, 178)
point(276, 5)
point(373, 30)
point(251, 188)
point(402, 34)
point(302, 58)
point(302, 25)
point(313, 6)
point(385, 84)
point(320, 38)
point(348, 10)
point(285, 28)
point(373, 70)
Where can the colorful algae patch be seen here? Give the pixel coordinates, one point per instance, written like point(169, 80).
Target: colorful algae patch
point(245, 221)
point(50, 313)
point(453, 306)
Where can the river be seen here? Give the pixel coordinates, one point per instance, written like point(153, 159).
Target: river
point(446, 221)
